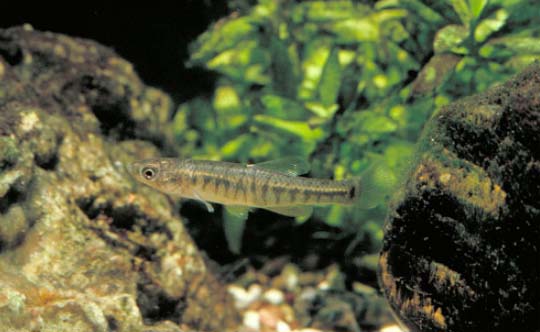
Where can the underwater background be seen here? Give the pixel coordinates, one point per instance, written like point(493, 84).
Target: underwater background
point(360, 89)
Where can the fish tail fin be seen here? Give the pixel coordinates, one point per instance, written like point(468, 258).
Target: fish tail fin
point(374, 185)
point(354, 187)
point(361, 193)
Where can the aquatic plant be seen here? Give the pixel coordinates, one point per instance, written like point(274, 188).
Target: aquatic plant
point(347, 85)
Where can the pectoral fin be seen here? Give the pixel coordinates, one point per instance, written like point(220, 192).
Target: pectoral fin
point(291, 211)
point(209, 206)
point(292, 166)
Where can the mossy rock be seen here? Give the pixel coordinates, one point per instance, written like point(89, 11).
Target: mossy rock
point(84, 247)
point(461, 241)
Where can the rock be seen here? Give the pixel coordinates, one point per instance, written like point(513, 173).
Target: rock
point(82, 245)
point(461, 241)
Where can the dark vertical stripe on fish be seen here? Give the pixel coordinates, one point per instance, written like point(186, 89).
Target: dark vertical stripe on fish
point(319, 196)
point(223, 183)
point(278, 191)
point(206, 180)
point(306, 193)
point(239, 186)
point(292, 193)
point(264, 191)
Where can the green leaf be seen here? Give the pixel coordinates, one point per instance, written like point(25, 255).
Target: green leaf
point(285, 80)
point(490, 25)
point(371, 123)
point(233, 147)
point(315, 54)
point(282, 107)
point(374, 123)
point(321, 11)
point(355, 30)
point(363, 28)
point(246, 62)
point(450, 39)
point(225, 34)
point(179, 124)
point(226, 98)
point(330, 79)
point(264, 9)
point(477, 6)
point(462, 9)
point(262, 148)
point(519, 62)
point(515, 44)
point(395, 32)
point(383, 16)
point(415, 7)
point(297, 128)
point(335, 216)
point(325, 112)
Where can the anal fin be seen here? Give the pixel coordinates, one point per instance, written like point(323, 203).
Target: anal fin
point(234, 223)
point(239, 211)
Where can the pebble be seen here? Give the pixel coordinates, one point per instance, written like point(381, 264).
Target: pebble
point(274, 296)
point(308, 294)
point(324, 285)
point(290, 277)
point(272, 304)
point(252, 320)
point(281, 326)
point(243, 298)
point(270, 316)
point(391, 328)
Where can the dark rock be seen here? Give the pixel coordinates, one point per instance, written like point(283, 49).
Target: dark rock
point(82, 245)
point(461, 242)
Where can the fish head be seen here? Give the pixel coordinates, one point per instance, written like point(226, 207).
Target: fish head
point(156, 173)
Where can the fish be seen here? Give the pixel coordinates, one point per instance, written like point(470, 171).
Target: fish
point(272, 185)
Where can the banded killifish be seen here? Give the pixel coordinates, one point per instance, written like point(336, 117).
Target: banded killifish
point(269, 185)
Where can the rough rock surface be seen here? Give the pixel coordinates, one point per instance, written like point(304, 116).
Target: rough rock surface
point(461, 243)
point(82, 246)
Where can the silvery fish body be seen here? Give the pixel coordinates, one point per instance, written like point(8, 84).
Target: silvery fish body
point(269, 185)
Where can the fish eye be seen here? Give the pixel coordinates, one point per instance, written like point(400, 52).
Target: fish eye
point(148, 173)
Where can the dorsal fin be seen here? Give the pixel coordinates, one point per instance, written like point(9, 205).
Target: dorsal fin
point(292, 166)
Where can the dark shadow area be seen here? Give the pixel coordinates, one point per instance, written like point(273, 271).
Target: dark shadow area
point(269, 236)
point(155, 41)
point(155, 305)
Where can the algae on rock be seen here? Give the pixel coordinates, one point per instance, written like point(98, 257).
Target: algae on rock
point(83, 246)
point(461, 241)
